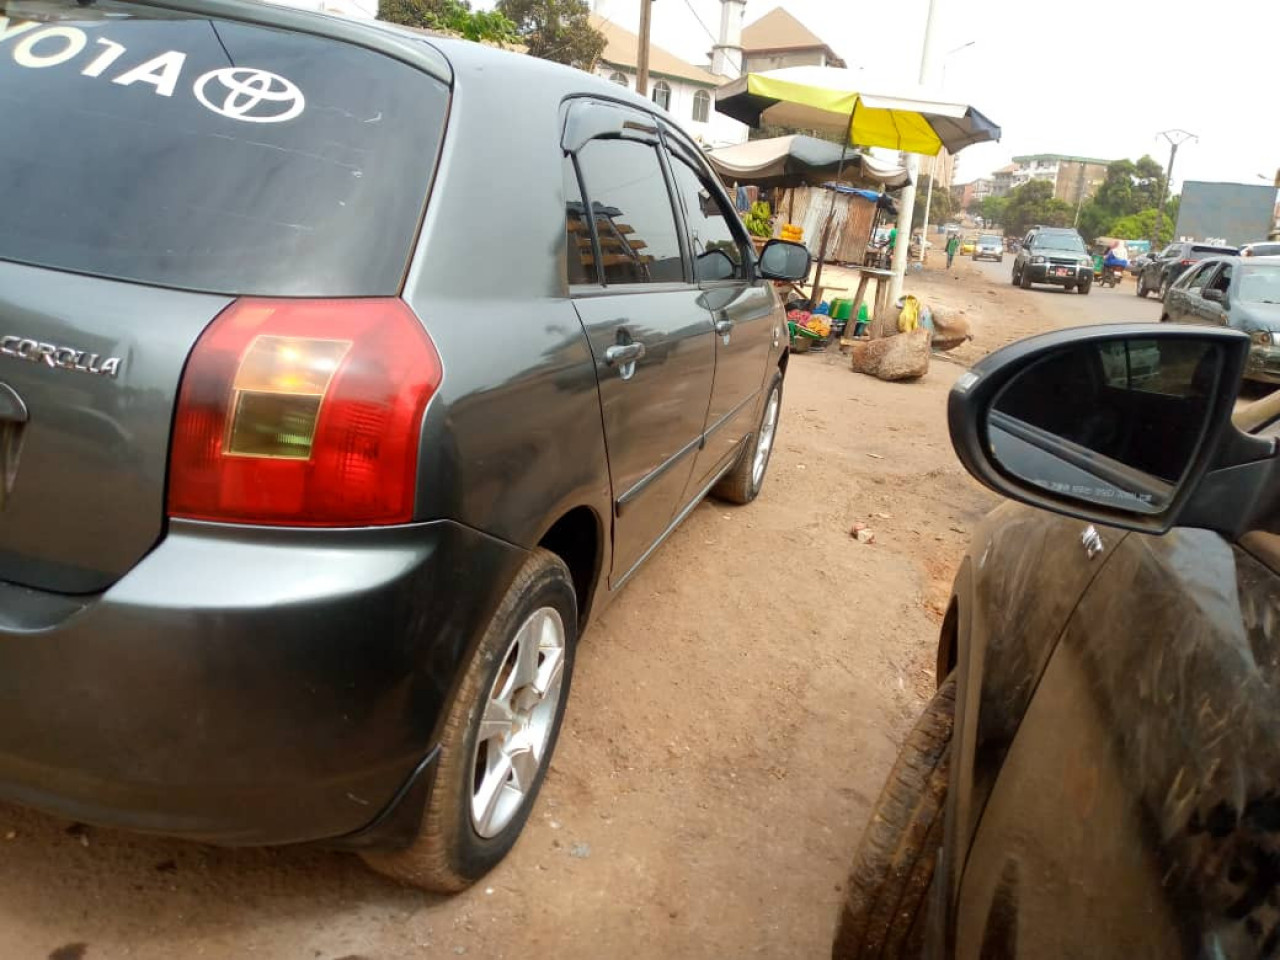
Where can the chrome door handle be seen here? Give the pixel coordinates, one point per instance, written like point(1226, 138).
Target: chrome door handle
point(624, 357)
point(724, 327)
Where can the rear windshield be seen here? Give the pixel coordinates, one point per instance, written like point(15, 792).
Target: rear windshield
point(1199, 252)
point(208, 155)
point(989, 240)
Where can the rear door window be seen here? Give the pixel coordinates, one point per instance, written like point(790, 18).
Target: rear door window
point(1199, 252)
point(634, 221)
point(184, 151)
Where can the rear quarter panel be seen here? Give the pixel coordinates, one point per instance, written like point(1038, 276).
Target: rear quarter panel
point(514, 438)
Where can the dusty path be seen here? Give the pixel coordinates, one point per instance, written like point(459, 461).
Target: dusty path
point(732, 718)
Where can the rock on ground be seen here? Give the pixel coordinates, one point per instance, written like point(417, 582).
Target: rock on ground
point(904, 356)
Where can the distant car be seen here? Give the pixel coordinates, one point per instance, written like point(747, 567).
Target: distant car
point(1262, 248)
point(1096, 775)
point(989, 247)
point(1055, 255)
point(1240, 293)
point(968, 245)
point(1171, 262)
point(1137, 263)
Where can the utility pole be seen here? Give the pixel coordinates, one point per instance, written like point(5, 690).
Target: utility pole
point(907, 203)
point(1176, 139)
point(1079, 196)
point(642, 54)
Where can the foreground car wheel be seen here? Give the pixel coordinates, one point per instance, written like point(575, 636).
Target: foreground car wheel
point(499, 734)
point(742, 484)
point(885, 903)
point(1024, 281)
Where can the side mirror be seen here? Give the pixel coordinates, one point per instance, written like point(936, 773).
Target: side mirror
point(1217, 296)
point(783, 260)
point(1127, 425)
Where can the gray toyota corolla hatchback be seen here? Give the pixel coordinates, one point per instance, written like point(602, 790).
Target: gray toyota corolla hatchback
point(344, 372)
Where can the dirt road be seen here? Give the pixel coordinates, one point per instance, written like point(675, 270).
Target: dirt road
point(732, 718)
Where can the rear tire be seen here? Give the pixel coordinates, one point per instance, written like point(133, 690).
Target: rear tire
point(742, 484)
point(454, 847)
point(886, 903)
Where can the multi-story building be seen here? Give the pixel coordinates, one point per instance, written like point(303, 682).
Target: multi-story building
point(1074, 179)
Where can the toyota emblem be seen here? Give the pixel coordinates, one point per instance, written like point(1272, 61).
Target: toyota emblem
point(250, 95)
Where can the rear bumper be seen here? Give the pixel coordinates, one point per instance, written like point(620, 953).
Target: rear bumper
point(244, 686)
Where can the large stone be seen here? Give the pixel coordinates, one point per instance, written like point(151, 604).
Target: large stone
point(950, 329)
point(904, 356)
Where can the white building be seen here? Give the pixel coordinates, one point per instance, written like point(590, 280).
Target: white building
point(685, 91)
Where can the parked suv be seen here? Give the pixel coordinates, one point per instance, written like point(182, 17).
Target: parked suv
point(1055, 255)
point(1170, 263)
point(344, 374)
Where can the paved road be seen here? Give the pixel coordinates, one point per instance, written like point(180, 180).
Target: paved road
point(1102, 305)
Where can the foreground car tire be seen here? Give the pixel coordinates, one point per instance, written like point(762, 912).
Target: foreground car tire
point(1024, 281)
point(742, 484)
point(885, 900)
point(499, 734)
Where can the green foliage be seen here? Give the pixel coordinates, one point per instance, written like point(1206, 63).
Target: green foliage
point(454, 16)
point(1142, 225)
point(759, 220)
point(993, 210)
point(1129, 189)
point(556, 30)
point(1034, 203)
point(940, 211)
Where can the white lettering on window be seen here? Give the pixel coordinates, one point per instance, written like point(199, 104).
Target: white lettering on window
point(103, 60)
point(24, 54)
point(161, 72)
point(8, 29)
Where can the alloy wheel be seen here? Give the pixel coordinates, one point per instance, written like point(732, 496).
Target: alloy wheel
point(764, 442)
point(519, 715)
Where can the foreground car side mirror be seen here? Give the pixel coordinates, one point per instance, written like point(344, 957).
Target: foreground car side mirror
point(1128, 424)
point(1217, 296)
point(784, 260)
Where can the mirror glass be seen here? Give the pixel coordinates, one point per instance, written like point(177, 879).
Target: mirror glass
point(1115, 423)
point(782, 260)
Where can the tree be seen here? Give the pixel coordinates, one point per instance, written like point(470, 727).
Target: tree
point(558, 30)
point(993, 210)
point(453, 16)
point(940, 211)
point(1129, 189)
point(1142, 226)
point(1034, 203)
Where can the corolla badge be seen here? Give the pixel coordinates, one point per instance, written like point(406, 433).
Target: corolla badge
point(66, 358)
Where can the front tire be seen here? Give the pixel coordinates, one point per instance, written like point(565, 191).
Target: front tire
point(499, 734)
point(1084, 288)
point(1024, 281)
point(742, 484)
point(886, 900)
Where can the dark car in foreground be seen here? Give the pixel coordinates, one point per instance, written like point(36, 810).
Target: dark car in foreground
point(326, 428)
point(1098, 774)
point(1236, 292)
point(1163, 268)
point(1053, 255)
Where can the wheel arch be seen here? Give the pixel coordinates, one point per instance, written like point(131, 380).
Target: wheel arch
point(577, 538)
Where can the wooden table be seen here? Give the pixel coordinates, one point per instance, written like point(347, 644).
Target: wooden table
point(881, 309)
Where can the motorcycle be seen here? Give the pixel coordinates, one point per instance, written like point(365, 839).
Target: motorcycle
point(1112, 274)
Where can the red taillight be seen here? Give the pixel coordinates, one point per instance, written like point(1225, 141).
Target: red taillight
point(1186, 263)
point(303, 412)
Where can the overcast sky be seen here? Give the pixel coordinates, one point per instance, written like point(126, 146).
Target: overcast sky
point(1100, 80)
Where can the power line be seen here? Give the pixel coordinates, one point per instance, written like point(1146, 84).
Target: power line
point(706, 29)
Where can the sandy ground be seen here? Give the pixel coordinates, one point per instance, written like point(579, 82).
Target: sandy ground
point(732, 718)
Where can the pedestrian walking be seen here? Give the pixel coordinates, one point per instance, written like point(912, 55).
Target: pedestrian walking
point(953, 244)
